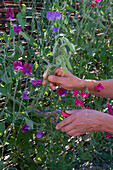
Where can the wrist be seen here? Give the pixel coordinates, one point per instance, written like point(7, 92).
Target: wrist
point(90, 84)
point(107, 123)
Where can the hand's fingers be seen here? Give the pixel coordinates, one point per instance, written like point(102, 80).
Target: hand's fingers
point(68, 127)
point(65, 122)
point(52, 86)
point(71, 111)
point(55, 79)
point(44, 82)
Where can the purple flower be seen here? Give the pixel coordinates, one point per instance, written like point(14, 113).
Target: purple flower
point(39, 134)
point(25, 128)
point(57, 15)
point(17, 29)
point(10, 13)
point(25, 97)
point(62, 92)
point(27, 68)
point(55, 29)
point(36, 82)
point(17, 65)
point(50, 15)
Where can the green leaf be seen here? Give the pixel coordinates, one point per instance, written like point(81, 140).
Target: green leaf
point(5, 37)
point(24, 35)
point(20, 19)
point(29, 122)
point(2, 127)
point(70, 45)
point(71, 9)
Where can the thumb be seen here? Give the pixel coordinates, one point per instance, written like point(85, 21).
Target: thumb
point(70, 111)
point(55, 79)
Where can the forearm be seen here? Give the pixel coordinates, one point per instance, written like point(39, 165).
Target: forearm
point(107, 92)
point(107, 123)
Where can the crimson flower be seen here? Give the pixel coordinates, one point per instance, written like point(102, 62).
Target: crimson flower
point(64, 114)
point(96, 1)
point(10, 13)
point(110, 109)
point(27, 68)
point(55, 29)
point(50, 15)
point(25, 128)
point(107, 136)
point(99, 87)
point(39, 134)
point(61, 92)
point(17, 65)
point(75, 93)
point(88, 107)
point(17, 29)
point(25, 97)
point(36, 82)
point(84, 94)
point(93, 4)
point(79, 102)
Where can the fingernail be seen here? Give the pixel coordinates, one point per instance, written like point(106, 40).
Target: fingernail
point(56, 127)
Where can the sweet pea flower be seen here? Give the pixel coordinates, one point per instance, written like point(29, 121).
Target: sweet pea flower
point(84, 94)
point(93, 4)
point(17, 29)
point(79, 102)
point(39, 134)
point(107, 136)
point(96, 1)
point(50, 15)
point(17, 65)
point(75, 93)
point(25, 97)
point(99, 87)
point(25, 128)
point(10, 13)
point(64, 114)
point(57, 15)
point(61, 92)
point(110, 109)
point(36, 82)
point(55, 29)
point(27, 68)
point(88, 107)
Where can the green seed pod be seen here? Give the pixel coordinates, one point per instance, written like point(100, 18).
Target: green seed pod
point(67, 63)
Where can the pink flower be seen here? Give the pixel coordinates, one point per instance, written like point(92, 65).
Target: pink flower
point(79, 102)
point(61, 92)
point(110, 109)
point(96, 1)
point(84, 94)
point(10, 13)
point(25, 97)
point(27, 68)
point(17, 65)
point(75, 93)
point(25, 128)
point(107, 135)
point(36, 82)
point(93, 4)
point(88, 107)
point(17, 29)
point(64, 114)
point(99, 87)
point(39, 134)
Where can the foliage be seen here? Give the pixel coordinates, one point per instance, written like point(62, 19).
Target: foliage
point(84, 45)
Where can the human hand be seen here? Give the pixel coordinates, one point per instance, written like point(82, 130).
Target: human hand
point(82, 121)
point(60, 78)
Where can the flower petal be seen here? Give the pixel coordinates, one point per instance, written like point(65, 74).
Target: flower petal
point(39, 134)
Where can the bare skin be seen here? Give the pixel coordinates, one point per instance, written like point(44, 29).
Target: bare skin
point(83, 120)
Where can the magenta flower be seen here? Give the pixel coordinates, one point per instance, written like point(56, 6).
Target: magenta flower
point(84, 94)
point(10, 13)
point(36, 82)
point(99, 87)
point(39, 134)
point(107, 136)
point(88, 107)
point(110, 109)
point(27, 68)
point(17, 29)
point(57, 15)
point(93, 4)
point(55, 29)
point(96, 1)
point(50, 15)
point(62, 92)
point(79, 102)
point(17, 65)
point(25, 97)
point(64, 114)
point(75, 93)
point(25, 128)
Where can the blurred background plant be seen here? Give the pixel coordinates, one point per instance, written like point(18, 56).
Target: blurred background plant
point(85, 39)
